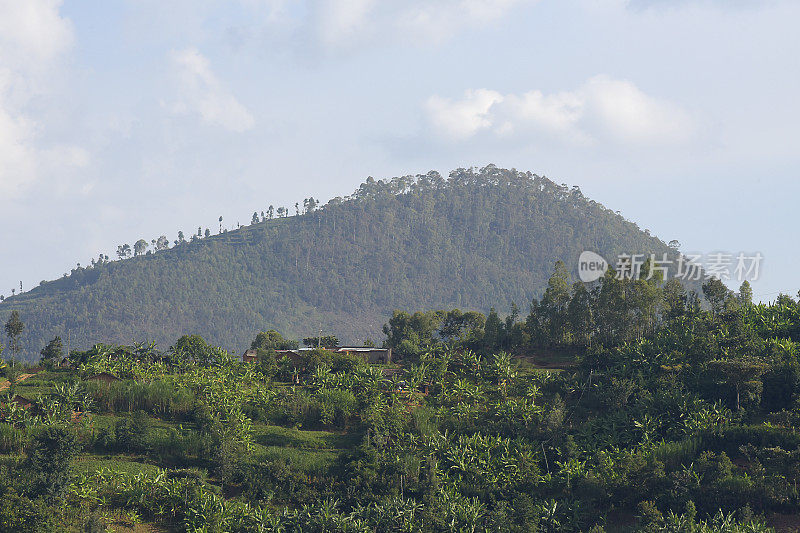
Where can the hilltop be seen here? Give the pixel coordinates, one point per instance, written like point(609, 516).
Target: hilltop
point(482, 237)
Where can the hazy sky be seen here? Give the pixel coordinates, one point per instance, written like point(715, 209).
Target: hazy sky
point(128, 119)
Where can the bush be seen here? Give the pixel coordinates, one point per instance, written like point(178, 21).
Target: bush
point(48, 464)
point(131, 432)
point(336, 407)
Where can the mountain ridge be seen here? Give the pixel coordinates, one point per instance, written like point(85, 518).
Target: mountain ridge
point(481, 238)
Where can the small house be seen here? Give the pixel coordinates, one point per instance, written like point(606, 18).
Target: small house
point(368, 353)
point(295, 356)
point(103, 377)
point(250, 356)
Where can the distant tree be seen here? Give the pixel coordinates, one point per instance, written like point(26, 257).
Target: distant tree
point(324, 341)
point(412, 334)
point(675, 245)
point(716, 293)
point(579, 314)
point(14, 328)
point(208, 232)
point(272, 340)
point(553, 308)
point(309, 205)
point(280, 211)
point(220, 223)
point(493, 331)
point(181, 239)
point(262, 216)
point(139, 247)
point(462, 328)
point(199, 231)
point(195, 348)
point(162, 243)
point(54, 350)
point(297, 208)
point(745, 294)
point(254, 220)
point(124, 251)
point(674, 299)
point(741, 374)
point(270, 212)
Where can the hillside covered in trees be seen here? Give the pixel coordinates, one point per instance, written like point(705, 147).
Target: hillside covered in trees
point(484, 237)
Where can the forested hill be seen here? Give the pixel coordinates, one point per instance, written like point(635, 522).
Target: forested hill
point(484, 237)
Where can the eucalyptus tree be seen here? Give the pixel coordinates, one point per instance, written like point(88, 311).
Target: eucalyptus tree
point(139, 247)
point(124, 251)
point(162, 243)
point(14, 328)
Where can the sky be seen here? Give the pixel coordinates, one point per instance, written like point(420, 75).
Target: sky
point(136, 118)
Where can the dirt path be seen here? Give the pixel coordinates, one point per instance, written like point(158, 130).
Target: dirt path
point(6, 384)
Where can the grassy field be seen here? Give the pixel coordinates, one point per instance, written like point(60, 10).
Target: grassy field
point(309, 451)
point(128, 464)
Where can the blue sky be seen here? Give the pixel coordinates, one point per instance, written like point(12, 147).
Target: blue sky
point(131, 119)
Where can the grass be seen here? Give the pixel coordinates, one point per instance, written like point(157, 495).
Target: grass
point(43, 383)
point(308, 461)
point(121, 464)
point(297, 438)
point(309, 451)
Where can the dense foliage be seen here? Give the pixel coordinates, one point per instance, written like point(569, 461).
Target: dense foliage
point(671, 416)
point(480, 238)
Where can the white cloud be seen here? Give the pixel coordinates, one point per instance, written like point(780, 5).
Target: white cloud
point(620, 110)
point(345, 23)
point(201, 92)
point(33, 38)
point(32, 33)
point(463, 118)
point(601, 110)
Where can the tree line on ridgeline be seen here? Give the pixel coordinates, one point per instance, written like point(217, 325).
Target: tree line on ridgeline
point(476, 239)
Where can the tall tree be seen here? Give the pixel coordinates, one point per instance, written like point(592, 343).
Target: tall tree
point(139, 247)
point(716, 293)
point(579, 314)
point(14, 328)
point(741, 374)
point(162, 243)
point(492, 331)
point(123, 251)
point(673, 299)
point(555, 302)
point(745, 294)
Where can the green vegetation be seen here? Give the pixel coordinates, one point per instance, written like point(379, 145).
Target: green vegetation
point(481, 238)
point(664, 416)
